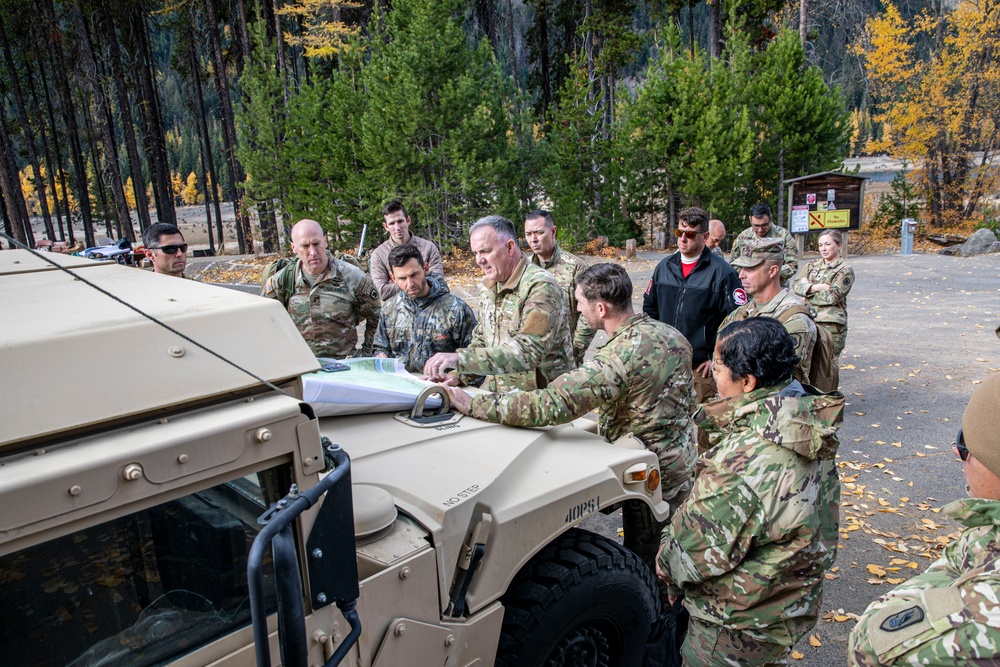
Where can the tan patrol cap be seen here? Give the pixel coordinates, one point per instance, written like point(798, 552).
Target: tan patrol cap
point(760, 250)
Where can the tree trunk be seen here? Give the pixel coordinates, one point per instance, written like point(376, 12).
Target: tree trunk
point(280, 38)
point(156, 147)
point(60, 70)
point(241, 16)
point(204, 146)
point(128, 128)
point(243, 236)
point(107, 128)
point(512, 46)
point(780, 218)
point(803, 23)
point(29, 135)
point(10, 186)
point(543, 53)
point(60, 169)
point(715, 29)
point(98, 175)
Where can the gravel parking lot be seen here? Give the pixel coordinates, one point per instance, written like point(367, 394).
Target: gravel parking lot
point(921, 337)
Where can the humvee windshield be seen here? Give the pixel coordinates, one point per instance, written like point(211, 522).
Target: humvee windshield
point(139, 590)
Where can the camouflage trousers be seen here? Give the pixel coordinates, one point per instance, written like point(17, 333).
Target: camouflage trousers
point(710, 645)
point(839, 334)
point(642, 531)
point(706, 390)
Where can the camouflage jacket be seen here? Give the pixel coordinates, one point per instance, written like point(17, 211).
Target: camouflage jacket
point(522, 338)
point(717, 251)
point(751, 543)
point(328, 313)
point(799, 325)
point(642, 382)
point(565, 267)
point(413, 330)
point(830, 305)
point(948, 614)
point(378, 263)
point(789, 265)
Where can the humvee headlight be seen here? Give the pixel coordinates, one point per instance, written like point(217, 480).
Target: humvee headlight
point(653, 480)
point(641, 472)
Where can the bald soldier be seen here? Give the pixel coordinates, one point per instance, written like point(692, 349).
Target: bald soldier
point(716, 235)
point(521, 340)
point(540, 233)
point(641, 381)
point(326, 297)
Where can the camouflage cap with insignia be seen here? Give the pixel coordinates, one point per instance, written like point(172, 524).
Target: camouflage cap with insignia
point(760, 250)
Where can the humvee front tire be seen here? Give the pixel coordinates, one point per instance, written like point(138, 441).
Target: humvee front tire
point(583, 601)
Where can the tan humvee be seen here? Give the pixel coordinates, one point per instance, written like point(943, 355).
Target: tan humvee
point(135, 461)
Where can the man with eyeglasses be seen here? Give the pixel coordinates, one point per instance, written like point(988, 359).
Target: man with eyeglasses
point(950, 614)
point(761, 227)
point(693, 290)
point(716, 235)
point(166, 249)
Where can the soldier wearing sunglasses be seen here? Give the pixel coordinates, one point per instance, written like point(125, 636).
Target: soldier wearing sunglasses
point(166, 249)
point(949, 614)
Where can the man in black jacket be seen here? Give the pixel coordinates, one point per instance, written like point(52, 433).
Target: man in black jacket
point(692, 290)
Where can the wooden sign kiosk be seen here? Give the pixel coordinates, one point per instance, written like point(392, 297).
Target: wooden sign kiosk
point(830, 200)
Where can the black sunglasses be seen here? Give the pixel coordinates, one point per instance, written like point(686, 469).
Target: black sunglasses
point(963, 451)
point(170, 249)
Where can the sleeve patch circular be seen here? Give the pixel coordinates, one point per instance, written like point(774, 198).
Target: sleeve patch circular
point(740, 296)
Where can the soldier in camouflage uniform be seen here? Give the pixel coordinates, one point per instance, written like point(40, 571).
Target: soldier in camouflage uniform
point(641, 381)
point(540, 233)
point(949, 614)
point(825, 284)
point(748, 549)
point(325, 297)
point(423, 318)
point(522, 338)
point(759, 267)
point(761, 227)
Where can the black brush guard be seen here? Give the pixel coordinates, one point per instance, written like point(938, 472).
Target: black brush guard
point(332, 562)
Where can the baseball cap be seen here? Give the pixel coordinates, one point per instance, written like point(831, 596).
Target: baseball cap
point(759, 250)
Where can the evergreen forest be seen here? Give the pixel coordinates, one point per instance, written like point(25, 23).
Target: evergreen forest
point(613, 114)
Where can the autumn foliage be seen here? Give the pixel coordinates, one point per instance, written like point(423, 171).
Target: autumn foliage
point(939, 110)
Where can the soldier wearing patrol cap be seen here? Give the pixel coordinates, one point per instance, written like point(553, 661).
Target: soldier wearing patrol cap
point(325, 297)
point(948, 615)
point(760, 272)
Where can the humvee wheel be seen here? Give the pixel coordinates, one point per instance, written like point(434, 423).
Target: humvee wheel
point(583, 601)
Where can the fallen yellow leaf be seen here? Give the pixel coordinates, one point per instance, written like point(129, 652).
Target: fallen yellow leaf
point(876, 570)
point(896, 580)
point(797, 656)
point(841, 619)
point(814, 641)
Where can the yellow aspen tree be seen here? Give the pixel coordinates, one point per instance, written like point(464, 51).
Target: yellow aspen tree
point(323, 31)
point(130, 195)
point(940, 111)
point(189, 195)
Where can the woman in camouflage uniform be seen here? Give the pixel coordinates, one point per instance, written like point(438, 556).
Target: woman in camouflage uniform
point(747, 550)
point(825, 284)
